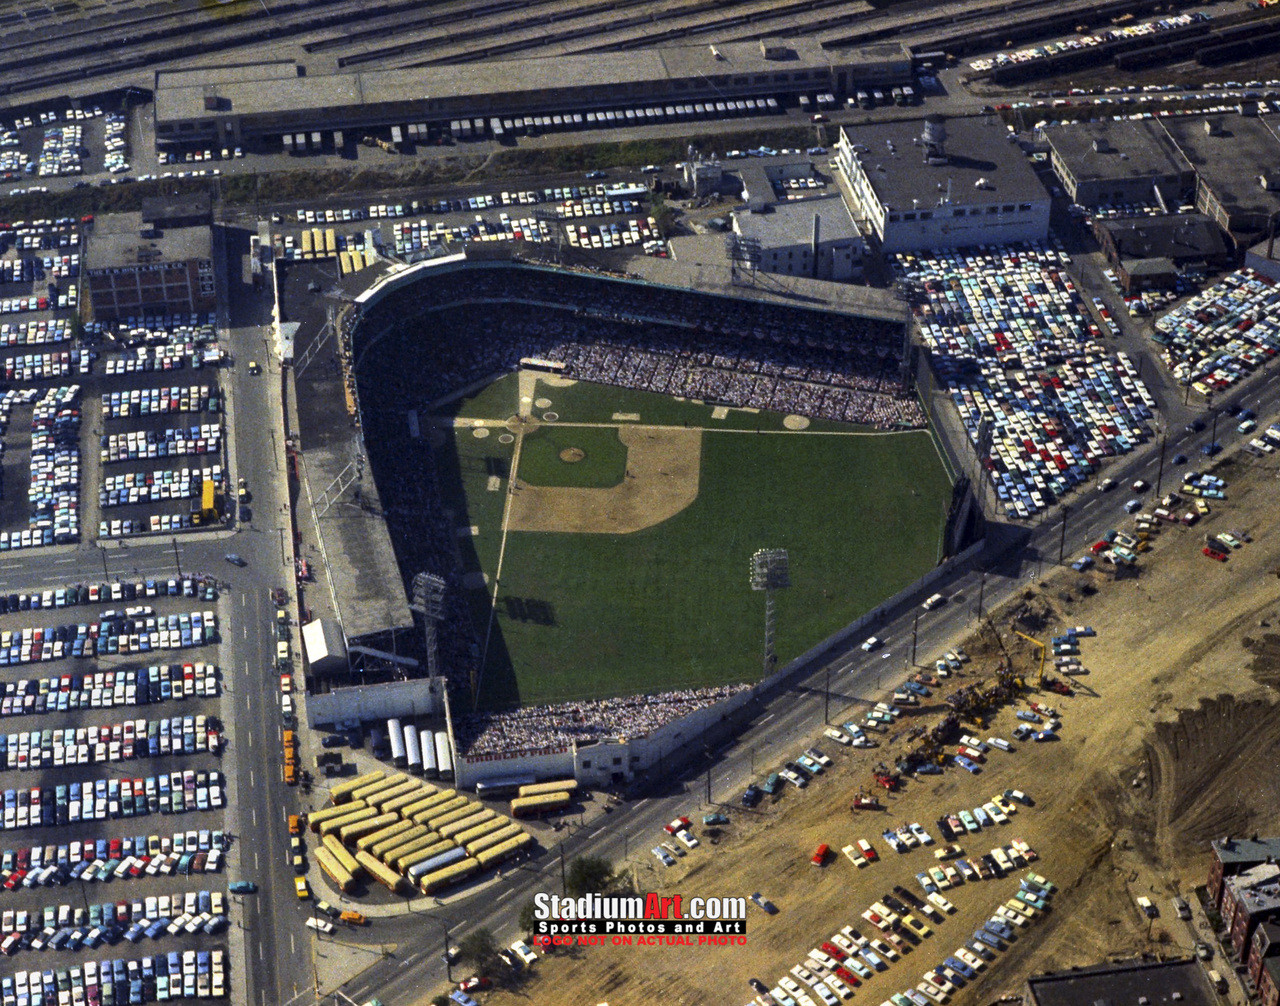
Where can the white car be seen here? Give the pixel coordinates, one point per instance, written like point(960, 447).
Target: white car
point(663, 857)
point(521, 950)
point(871, 643)
point(687, 838)
point(924, 837)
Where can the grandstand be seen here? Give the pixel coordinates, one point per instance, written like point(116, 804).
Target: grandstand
point(813, 364)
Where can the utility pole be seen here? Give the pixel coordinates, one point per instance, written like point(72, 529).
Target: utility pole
point(103, 552)
point(708, 779)
point(1160, 471)
point(177, 557)
point(1213, 437)
point(564, 885)
point(448, 957)
point(826, 698)
point(915, 622)
point(1062, 542)
point(982, 586)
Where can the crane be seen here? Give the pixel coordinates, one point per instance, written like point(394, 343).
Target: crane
point(1043, 653)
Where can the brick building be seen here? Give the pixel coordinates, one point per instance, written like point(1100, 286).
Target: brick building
point(1248, 899)
point(1269, 982)
point(1235, 855)
point(136, 270)
point(1265, 943)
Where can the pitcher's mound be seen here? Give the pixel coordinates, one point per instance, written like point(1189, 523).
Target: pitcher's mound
point(795, 422)
point(572, 455)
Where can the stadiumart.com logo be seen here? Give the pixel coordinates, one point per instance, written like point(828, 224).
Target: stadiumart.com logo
point(637, 915)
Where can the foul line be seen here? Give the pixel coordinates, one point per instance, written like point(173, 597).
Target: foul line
point(461, 424)
point(502, 551)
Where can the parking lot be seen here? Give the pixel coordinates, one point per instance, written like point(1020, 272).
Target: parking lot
point(145, 839)
point(1020, 354)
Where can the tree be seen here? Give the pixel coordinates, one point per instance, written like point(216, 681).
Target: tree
point(587, 875)
point(441, 1000)
point(481, 949)
point(527, 920)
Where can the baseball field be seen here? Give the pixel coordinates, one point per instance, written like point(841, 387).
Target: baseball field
point(610, 533)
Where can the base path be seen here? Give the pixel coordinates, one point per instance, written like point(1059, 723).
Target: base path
point(663, 467)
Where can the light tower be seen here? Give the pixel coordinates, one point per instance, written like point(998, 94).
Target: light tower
point(428, 601)
point(770, 571)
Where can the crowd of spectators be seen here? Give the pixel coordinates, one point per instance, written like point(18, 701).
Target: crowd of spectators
point(556, 726)
point(461, 326)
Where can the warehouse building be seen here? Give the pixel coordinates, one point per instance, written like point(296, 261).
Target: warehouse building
point(1151, 983)
point(136, 270)
point(808, 237)
point(228, 105)
point(1232, 856)
point(1150, 253)
point(1118, 163)
point(1235, 158)
point(948, 184)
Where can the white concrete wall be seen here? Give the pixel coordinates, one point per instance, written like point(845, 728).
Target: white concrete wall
point(420, 697)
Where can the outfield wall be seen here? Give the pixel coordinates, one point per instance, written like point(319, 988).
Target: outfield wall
point(597, 765)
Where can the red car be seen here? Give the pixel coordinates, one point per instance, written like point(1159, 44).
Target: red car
point(847, 977)
point(473, 983)
point(833, 951)
point(1214, 555)
point(679, 824)
point(820, 855)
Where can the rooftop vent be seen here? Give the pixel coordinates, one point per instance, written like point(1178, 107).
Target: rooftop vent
point(1176, 996)
point(1212, 127)
point(715, 52)
point(1101, 146)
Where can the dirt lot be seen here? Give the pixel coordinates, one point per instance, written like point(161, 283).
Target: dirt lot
point(1171, 739)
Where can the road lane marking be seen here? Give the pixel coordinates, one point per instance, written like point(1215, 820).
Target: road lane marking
point(765, 720)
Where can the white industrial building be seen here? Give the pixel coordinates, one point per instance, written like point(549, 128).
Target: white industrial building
point(941, 184)
point(807, 237)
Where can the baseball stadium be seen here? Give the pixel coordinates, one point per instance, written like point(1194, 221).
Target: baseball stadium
point(590, 463)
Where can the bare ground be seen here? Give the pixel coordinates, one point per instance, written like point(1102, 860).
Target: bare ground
point(1172, 738)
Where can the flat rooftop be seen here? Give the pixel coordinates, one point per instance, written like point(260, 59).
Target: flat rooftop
point(116, 240)
point(1179, 237)
point(1230, 160)
point(977, 149)
point(791, 223)
point(1246, 850)
point(269, 88)
point(1124, 984)
point(1148, 151)
point(698, 264)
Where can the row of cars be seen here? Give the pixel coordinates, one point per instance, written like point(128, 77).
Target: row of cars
point(47, 366)
point(42, 332)
point(110, 852)
point(1083, 41)
point(111, 635)
point(160, 401)
point(188, 974)
point(202, 438)
point(67, 927)
point(162, 484)
point(67, 803)
point(107, 689)
point(145, 359)
point(202, 588)
point(62, 746)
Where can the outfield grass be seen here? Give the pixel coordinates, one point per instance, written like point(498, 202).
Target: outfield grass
point(604, 466)
point(594, 615)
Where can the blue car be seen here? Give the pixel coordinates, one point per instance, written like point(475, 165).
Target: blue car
point(955, 964)
point(462, 999)
point(967, 764)
point(989, 938)
point(1001, 929)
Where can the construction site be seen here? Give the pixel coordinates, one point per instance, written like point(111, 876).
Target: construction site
point(1168, 738)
